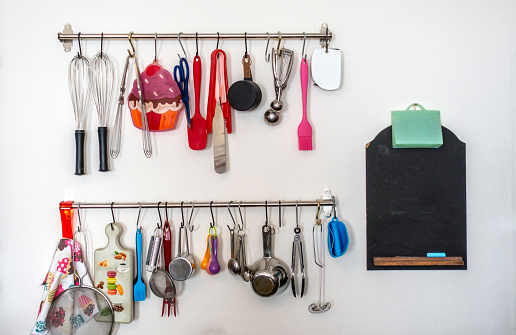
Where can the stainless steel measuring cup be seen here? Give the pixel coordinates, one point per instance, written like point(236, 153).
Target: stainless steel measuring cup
point(183, 266)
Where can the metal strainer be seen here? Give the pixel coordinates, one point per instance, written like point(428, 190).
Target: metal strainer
point(75, 310)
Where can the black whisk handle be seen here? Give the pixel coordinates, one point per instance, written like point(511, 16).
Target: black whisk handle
point(79, 152)
point(103, 149)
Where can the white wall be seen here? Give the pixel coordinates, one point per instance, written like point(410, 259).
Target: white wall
point(456, 56)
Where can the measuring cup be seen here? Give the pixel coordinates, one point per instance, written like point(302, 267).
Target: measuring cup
point(183, 266)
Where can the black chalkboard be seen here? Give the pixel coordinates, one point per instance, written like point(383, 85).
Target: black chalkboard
point(416, 201)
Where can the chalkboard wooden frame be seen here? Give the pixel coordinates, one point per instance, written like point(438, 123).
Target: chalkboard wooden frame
point(416, 201)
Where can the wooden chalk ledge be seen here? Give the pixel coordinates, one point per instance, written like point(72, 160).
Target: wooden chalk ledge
point(417, 261)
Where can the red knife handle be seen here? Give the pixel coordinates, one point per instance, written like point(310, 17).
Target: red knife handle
point(167, 244)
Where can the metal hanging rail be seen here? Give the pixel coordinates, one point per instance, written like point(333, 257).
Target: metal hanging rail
point(68, 36)
point(62, 37)
point(186, 204)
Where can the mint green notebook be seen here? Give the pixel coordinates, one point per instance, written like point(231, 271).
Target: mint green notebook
point(416, 128)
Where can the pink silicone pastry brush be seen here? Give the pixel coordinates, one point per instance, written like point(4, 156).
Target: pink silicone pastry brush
point(304, 131)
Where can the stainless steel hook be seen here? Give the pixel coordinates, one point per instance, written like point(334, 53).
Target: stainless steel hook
point(241, 218)
point(279, 212)
point(245, 40)
point(191, 227)
point(182, 216)
point(79, 216)
point(212, 224)
point(101, 44)
point(327, 40)
point(159, 213)
point(79, 42)
point(196, 45)
point(218, 38)
point(130, 37)
point(113, 215)
point(181, 44)
point(232, 218)
point(138, 225)
point(156, 47)
point(266, 215)
point(279, 40)
point(297, 217)
point(267, 55)
point(334, 207)
point(303, 55)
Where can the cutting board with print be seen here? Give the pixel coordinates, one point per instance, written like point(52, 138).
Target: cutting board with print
point(114, 275)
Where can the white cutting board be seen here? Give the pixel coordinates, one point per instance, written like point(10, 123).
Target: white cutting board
point(115, 263)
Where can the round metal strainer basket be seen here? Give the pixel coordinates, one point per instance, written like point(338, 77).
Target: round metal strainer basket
point(80, 309)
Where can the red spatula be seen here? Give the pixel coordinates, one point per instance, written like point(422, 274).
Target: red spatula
point(197, 135)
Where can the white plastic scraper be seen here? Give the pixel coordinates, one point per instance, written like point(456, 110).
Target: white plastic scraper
point(326, 68)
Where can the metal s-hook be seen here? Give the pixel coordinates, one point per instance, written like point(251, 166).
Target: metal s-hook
point(196, 45)
point(318, 260)
point(334, 207)
point(266, 215)
point(297, 219)
point(155, 47)
point(279, 40)
point(101, 44)
point(181, 44)
point(303, 55)
point(160, 225)
point(267, 55)
point(130, 37)
point(138, 225)
point(182, 216)
point(79, 42)
point(212, 223)
point(79, 227)
point(166, 211)
point(317, 220)
point(279, 212)
point(327, 40)
point(218, 37)
point(245, 39)
point(241, 218)
point(232, 218)
point(191, 227)
point(113, 215)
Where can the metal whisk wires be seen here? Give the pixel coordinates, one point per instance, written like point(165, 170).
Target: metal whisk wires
point(102, 76)
point(80, 89)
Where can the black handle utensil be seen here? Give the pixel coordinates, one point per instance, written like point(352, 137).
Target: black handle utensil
point(245, 95)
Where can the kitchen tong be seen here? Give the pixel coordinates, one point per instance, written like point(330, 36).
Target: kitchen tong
point(297, 253)
point(218, 91)
point(167, 244)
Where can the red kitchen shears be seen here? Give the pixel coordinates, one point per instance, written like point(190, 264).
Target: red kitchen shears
point(218, 91)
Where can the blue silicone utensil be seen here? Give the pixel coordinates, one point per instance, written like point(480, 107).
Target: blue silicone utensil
point(139, 285)
point(338, 239)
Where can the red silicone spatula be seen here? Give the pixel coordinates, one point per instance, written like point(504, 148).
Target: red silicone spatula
point(197, 135)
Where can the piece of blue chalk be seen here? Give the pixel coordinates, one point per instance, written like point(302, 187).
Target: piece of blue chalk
point(435, 254)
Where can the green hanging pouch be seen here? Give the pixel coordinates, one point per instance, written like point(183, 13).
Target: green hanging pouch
point(416, 128)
